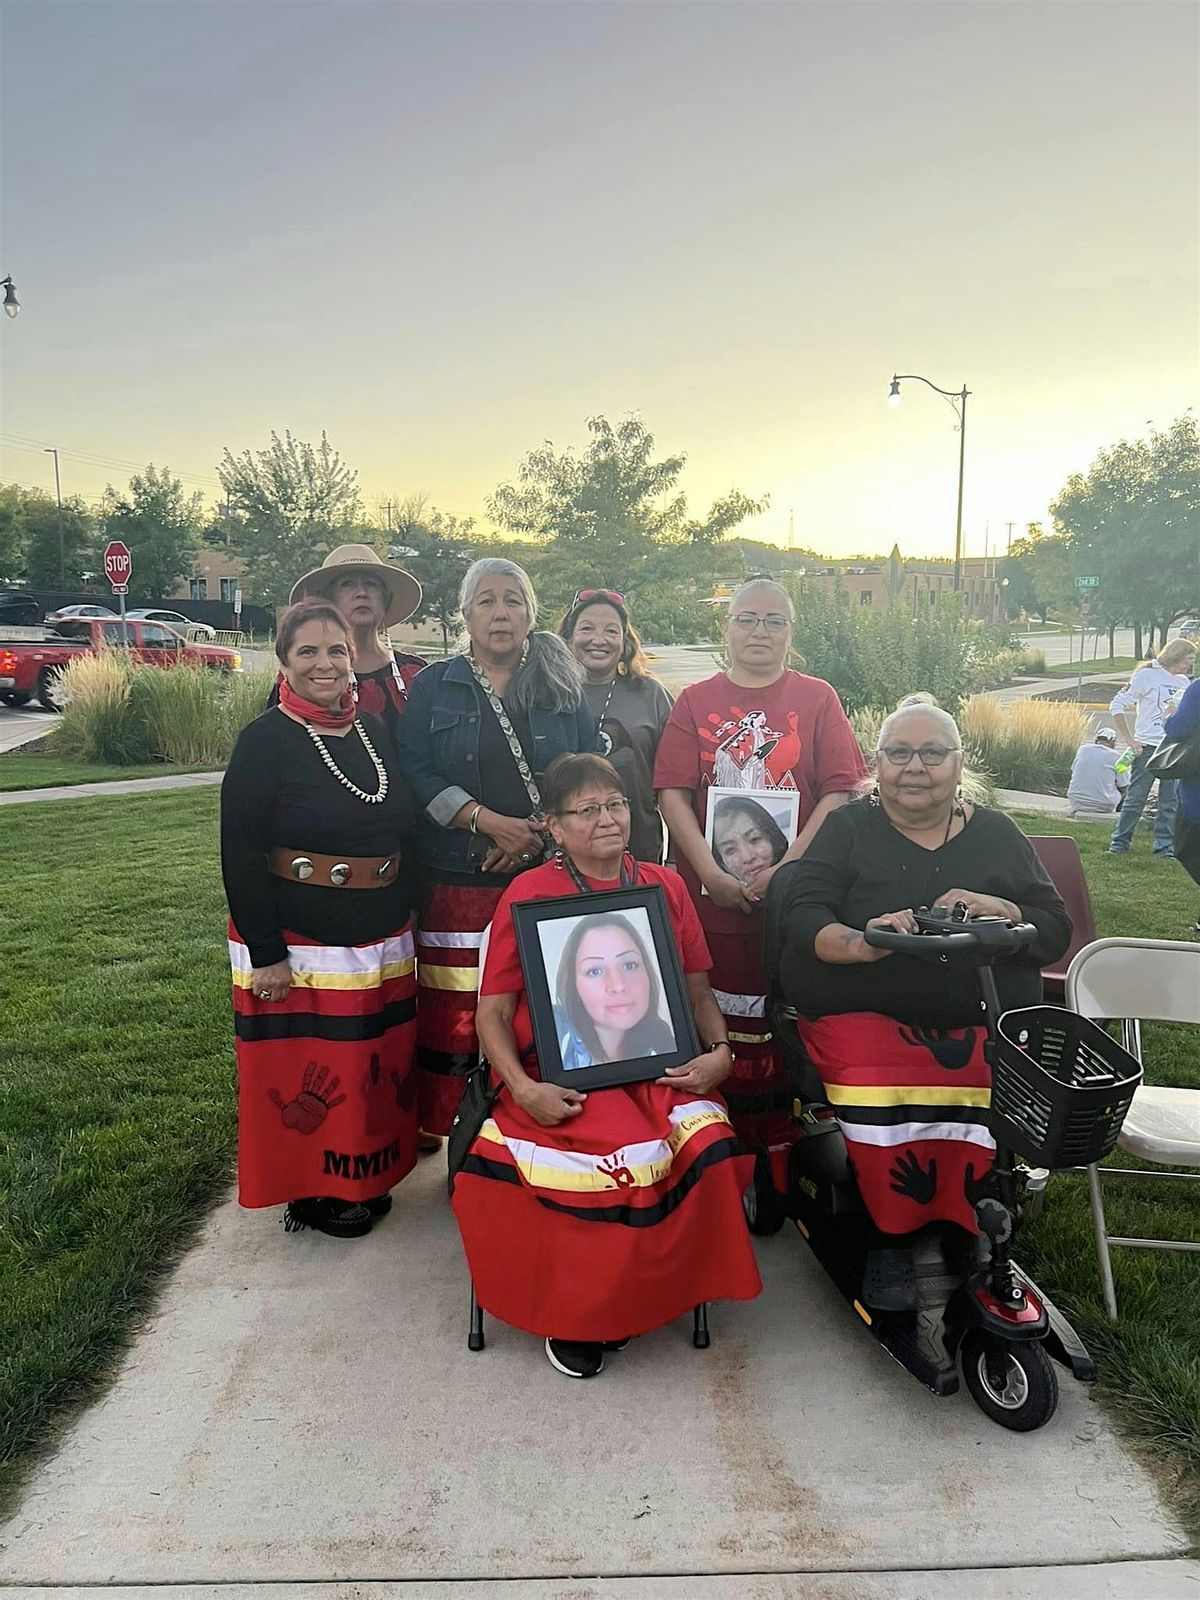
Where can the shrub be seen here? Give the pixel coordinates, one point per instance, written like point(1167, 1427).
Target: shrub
point(873, 657)
point(124, 713)
point(1029, 744)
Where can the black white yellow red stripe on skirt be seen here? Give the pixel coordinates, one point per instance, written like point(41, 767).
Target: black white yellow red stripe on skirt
point(327, 1091)
point(612, 1223)
point(449, 930)
point(759, 1092)
point(912, 1104)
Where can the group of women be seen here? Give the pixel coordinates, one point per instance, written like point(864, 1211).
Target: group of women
point(381, 820)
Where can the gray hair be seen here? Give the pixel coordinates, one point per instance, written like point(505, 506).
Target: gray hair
point(909, 707)
point(778, 592)
point(549, 677)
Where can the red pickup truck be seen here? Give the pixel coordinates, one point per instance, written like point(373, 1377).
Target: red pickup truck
point(30, 667)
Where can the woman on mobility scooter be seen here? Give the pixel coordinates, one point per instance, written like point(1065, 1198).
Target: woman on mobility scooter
point(898, 1041)
point(590, 1217)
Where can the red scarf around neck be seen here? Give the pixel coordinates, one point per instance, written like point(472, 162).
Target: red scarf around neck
point(339, 716)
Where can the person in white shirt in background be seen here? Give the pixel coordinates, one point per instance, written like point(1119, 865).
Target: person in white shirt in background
point(1152, 694)
point(1096, 786)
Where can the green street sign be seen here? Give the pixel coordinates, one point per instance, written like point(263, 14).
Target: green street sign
point(1087, 583)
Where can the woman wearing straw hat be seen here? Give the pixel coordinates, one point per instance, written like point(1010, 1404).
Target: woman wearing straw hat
point(373, 597)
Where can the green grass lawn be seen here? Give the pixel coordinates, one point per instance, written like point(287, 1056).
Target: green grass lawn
point(1150, 1360)
point(116, 1080)
point(1101, 667)
point(117, 1113)
point(30, 769)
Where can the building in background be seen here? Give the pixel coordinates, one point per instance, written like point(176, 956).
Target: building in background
point(916, 585)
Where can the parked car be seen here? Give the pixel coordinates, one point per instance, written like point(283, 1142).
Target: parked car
point(29, 668)
point(176, 620)
point(1189, 628)
point(19, 608)
point(73, 613)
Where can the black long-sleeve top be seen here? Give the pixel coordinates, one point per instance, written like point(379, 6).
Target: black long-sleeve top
point(859, 867)
point(277, 791)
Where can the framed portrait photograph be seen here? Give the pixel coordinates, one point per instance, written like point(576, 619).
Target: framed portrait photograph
point(605, 987)
point(751, 828)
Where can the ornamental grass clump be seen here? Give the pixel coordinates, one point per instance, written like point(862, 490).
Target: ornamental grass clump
point(193, 715)
point(123, 713)
point(1028, 745)
point(99, 723)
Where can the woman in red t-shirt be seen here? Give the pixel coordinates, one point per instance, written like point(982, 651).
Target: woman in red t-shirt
point(758, 727)
point(590, 1217)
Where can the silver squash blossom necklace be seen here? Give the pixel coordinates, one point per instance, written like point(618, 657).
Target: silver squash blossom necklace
point(381, 770)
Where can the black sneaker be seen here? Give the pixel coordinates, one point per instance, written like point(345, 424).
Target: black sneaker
point(380, 1206)
point(575, 1359)
point(339, 1219)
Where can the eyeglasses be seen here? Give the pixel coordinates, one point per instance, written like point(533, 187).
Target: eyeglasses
point(591, 812)
point(773, 622)
point(611, 595)
point(932, 755)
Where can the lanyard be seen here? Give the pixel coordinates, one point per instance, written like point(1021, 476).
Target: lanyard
point(629, 873)
point(510, 733)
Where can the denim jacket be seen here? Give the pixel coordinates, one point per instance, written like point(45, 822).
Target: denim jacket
point(439, 753)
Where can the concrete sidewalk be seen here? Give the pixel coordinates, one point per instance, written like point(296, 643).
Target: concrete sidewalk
point(115, 786)
point(303, 1413)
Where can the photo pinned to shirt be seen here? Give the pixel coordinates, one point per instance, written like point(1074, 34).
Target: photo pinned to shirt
point(749, 829)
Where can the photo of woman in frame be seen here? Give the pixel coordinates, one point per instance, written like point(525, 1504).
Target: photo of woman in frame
point(748, 833)
point(607, 994)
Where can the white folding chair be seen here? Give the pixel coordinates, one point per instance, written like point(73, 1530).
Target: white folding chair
point(1134, 981)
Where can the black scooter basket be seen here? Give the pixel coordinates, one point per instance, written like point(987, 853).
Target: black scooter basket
point(1060, 1087)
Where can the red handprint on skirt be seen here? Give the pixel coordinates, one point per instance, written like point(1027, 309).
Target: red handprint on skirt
point(614, 1168)
point(378, 1095)
point(313, 1104)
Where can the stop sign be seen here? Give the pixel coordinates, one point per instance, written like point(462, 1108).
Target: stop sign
point(118, 564)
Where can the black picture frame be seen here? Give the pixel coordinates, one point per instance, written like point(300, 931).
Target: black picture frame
point(537, 924)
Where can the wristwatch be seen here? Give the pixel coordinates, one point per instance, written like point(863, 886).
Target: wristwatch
point(716, 1045)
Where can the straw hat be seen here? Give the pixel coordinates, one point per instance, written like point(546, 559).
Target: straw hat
point(402, 589)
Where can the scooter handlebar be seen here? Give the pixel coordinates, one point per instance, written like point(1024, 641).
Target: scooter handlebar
point(1000, 937)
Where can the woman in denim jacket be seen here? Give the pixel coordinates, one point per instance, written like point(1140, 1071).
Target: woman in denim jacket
point(479, 731)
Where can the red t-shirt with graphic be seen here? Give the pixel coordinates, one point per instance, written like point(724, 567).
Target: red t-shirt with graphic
point(792, 734)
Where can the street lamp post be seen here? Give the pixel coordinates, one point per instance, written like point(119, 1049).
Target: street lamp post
point(62, 560)
point(12, 306)
point(958, 404)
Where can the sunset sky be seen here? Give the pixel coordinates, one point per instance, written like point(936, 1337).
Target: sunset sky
point(445, 233)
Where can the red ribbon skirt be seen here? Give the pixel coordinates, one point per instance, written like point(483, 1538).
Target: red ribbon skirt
point(913, 1107)
point(327, 1092)
point(610, 1224)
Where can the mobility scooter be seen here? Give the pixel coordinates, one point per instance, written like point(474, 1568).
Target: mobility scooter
point(1060, 1091)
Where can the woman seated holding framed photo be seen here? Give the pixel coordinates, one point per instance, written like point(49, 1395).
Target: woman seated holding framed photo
point(590, 1215)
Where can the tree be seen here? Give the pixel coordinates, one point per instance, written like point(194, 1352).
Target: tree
point(615, 516)
point(162, 527)
point(293, 502)
point(437, 549)
point(32, 521)
point(1133, 521)
point(12, 532)
point(1040, 569)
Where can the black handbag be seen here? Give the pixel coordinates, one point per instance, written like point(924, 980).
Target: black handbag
point(474, 1109)
point(1177, 758)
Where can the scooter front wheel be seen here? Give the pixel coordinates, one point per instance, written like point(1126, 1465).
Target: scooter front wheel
point(1012, 1382)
